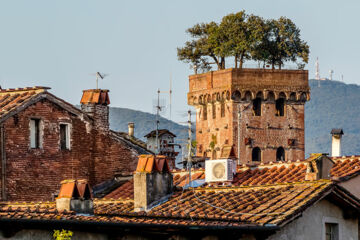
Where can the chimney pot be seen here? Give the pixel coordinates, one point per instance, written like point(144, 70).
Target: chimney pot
point(153, 182)
point(131, 127)
point(336, 141)
point(75, 195)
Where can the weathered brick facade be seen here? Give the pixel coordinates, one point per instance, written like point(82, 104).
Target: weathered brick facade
point(271, 104)
point(35, 173)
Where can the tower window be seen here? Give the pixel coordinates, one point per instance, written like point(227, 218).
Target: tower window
point(205, 112)
point(280, 107)
point(257, 107)
point(222, 109)
point(280, 154)
point(35, 133)
point(213, 111)
point(256, 154)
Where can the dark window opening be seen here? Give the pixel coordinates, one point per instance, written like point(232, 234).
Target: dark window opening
point(205, 112)
point(331, 231)
point(222, 109)
point(64, 136)
point(280, 154)
point(35, 133)
point(257, 107)
point(256, 155)
point(213, 111)
point(280, 107)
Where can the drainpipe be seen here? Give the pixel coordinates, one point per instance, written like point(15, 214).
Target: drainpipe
point(3, 162)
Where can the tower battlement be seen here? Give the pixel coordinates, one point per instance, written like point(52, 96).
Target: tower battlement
point(271, 106)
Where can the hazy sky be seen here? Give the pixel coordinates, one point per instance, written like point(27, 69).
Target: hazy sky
point(60, 43)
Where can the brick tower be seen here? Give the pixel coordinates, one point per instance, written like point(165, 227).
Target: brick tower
point(269, 104)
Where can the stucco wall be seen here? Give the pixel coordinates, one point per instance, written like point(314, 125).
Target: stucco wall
point(352, 185)
point(31, 234)
point(312, 224)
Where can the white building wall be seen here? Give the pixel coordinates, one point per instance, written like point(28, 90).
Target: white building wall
point(311, 225)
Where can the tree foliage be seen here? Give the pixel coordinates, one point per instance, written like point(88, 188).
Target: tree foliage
point(62, 235)
point(244, 37)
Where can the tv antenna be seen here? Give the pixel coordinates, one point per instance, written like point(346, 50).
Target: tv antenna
point(331, 74)
point(159, 107)
point(170, 95)
point(99, 76)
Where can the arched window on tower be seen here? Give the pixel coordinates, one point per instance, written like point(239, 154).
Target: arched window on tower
point(205, 112)
point(257, 107)
point(280, 107)
point(213, 111)
point(280, 154)
point(256, 154)
point(222, 109)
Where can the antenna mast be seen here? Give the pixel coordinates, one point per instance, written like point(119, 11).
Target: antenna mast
point(158, 108)
point(189, 162)
point(317, 69)
point(239, 137)
point(99, 75)
point(170, 92)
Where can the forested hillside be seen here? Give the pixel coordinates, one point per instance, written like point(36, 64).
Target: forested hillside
point(333, 104)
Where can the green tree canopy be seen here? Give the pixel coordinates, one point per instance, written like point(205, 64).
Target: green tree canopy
point(244, 37)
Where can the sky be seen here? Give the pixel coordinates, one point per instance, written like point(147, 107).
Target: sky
point(60, 43)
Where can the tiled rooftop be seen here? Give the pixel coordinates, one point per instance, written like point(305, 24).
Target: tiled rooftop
point(12, 98)
point(237, 206)
point(124, 192)
point(345, 166)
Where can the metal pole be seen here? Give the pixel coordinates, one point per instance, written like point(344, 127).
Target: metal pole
point(189, 143)
point(239, 131)
point(157, 123)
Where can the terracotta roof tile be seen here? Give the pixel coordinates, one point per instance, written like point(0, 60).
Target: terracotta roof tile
point(10, 99)
point(345, 166)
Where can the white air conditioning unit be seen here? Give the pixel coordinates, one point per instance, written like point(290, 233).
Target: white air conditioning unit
point(221, 170)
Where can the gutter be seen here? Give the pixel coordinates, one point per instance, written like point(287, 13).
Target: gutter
point(3, 162)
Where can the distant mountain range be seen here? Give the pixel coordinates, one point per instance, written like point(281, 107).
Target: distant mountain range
point(333, 104)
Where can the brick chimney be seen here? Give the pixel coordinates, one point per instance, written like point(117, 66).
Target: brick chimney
point(131, 127)
point(153, 182)
point(75, 195)
point(336, 142)
point(95, 103)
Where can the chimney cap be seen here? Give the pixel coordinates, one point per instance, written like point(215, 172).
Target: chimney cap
point(337, 131)
point(151, 163)
point(95, 96)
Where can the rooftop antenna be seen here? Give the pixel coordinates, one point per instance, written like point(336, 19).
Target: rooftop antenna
point(159, 108)
point(98, 76)
point(170, 95)
point(331, 74)
point(189, 162)
point(317, 69)
point(342, 78)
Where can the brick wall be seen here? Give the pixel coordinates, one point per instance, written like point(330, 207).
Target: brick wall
point(221, 93)
point(34, 174)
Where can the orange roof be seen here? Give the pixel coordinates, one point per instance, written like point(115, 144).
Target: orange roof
point(98, 96)
point(259, 206)
point(12, 98)
point(345, 167)
point(150, 163)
